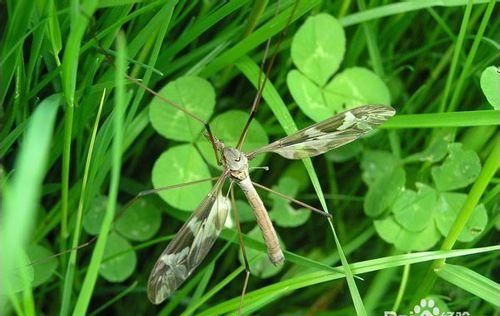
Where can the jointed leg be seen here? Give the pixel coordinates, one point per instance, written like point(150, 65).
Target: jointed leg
point(168, 187)
point(243, 251)
point(261, 86)
point(132, 201)
point(210, 135)
point(291, 199)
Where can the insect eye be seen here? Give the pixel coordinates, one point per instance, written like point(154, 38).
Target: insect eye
point(238, 159)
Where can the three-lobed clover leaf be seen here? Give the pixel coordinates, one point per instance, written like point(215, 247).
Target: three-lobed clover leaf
point(417, 219)
point(140, 221)
point(317, 50)
point(436, 151)
point(93, 217)
point(375, 163)
point(392, 232)
point(318, 47)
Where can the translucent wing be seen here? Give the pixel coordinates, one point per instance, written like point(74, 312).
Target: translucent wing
point(191, 244)
point(331, 133)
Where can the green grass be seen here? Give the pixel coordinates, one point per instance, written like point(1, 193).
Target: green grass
point(77, 143)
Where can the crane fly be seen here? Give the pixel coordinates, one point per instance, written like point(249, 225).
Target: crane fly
point(197, 236)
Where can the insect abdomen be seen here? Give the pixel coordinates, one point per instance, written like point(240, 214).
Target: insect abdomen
point(271, 238)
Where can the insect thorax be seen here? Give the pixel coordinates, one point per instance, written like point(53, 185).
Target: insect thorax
point(236, 162)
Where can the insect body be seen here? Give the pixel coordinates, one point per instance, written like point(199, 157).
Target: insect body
point(236, 163)
point(194, 240)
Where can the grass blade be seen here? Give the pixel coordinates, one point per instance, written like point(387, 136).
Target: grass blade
point(471, 281)
point(22, 194)
point(70, 269)
point(88, 285)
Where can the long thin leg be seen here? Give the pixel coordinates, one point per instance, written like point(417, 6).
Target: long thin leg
point(258, 96)
point(45, 259)
point(243, 251)
point(205, 124)
point(174, 186)
point(165, 188)
point(210, 136)
point(132, 201)
point(291, 199)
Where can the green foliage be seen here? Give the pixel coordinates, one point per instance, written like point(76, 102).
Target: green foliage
point(490, 81)
point(471, 281)
point(180, 164)
point(20, 201)
point(459, 169)
point(447, 210)
point(18, 279)
point(195, 95)
point(228, 126)
point(45, 269)
point(92, 220)
point(183, 163)
point(393, 232)
point(414, 220)
point(282, 213)
point(422, 186)
point(383, 192)
point(140, 221)
point(413, 210)
point(119, 259)
point(260, 266)
point(317, 50)
point(314, 52)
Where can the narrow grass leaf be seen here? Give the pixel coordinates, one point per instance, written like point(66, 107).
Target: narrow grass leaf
point(471, 281)
point(16, 27)
point(69, 66)
point(22, 194)
point(71, 267)
point(88, 285)
point(318, 277)
point(401, 7)
point(452, 119)
point(458, 89)
point(259, 36)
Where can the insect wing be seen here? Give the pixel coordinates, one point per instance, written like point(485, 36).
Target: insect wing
point(190, 245)
point(331, 133)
